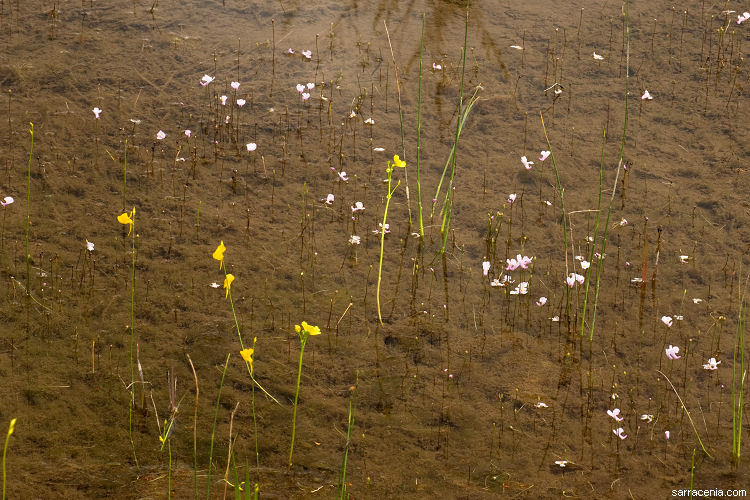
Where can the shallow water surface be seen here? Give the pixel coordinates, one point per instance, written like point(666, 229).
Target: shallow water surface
point(469, 387)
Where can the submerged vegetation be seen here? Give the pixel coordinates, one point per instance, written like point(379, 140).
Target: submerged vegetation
point(571, 323)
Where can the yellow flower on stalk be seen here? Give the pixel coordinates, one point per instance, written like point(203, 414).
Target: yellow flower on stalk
point(308, 329)
point(228, 283)
point(12, 426)
point(398, 162)
point(127, 218)
point(247, 355)
point(219, 254)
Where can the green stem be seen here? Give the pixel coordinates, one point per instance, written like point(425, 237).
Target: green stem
point(28, 211)
point(419, 131)
point(213, 430)
point(382, 236)
point(303, 341)
point(169, 471)
point(132, 340)
point(449, 192)
point(564, 213)
point(125, 175)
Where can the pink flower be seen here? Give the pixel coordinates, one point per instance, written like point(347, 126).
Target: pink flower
point(511, 197)
point(526, 163)
point(97, 112)
point(310, 86)
point(615, 414)
point(380, 225)
point(742, 18)
point(160, 135)
point(307, 54)
point(300, 88)
point(667, 320)
point(358, 206)
point(512, 264)
point(223, 100)
point(541, 301)
point(305, 96)
point(712, 364)
point(235, 85)
point(206, 79)
point(521, 289)
point(290, 50)
point(485, 267)
point(188, 133)
point(597, 56)
point(619, 432)
point(251, 146)
point(543, 155)
point(343, 176)
point(646, 96)
point(436, 67)
point(672, 352)
point(7, 201)
point(329, 199)
point(574, 278)
point(241, 102)
point(666, 434)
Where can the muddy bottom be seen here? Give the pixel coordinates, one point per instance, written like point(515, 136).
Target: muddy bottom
point(461, 363)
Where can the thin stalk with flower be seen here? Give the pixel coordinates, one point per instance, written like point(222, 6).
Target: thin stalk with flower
point(304, 331)
point(11, 428)
point(228, 280)
point(397, 162)
point(128, 219)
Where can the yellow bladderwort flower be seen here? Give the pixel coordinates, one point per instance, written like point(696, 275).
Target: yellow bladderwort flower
point(310, 329)
point(127, 218)
point(228, 283)
point(219, 254)
point(247, 355)
point(12, 427)
point(398, 162)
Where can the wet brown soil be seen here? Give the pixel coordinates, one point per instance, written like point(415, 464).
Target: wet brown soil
point(448, 390)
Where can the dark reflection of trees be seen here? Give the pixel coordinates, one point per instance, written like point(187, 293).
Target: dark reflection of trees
point(443, 36)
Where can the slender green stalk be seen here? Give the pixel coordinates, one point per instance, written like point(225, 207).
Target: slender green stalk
point(565, 214)
point(692, 472)
point(401, 121)
point(695, 430)
point(617, 175)
point(213, 430)
point(296, 396)
point(738, 361)
point(169, 470)
point(596, 235)
point(350, 427)
point(28, 212)
point(419, 131)
point(389, 170)
point(452, 152)
point(448, 207)
point(124, 175)
point(11, 428)
point(303, 331)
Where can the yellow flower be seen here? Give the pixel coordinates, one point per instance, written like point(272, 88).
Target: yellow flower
point(228, 283)
point(310, 329)
point(12, 427)
point(298, 328)
point(398, 162)
point(247, 355)
point(127, 218)
point(219, 254)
